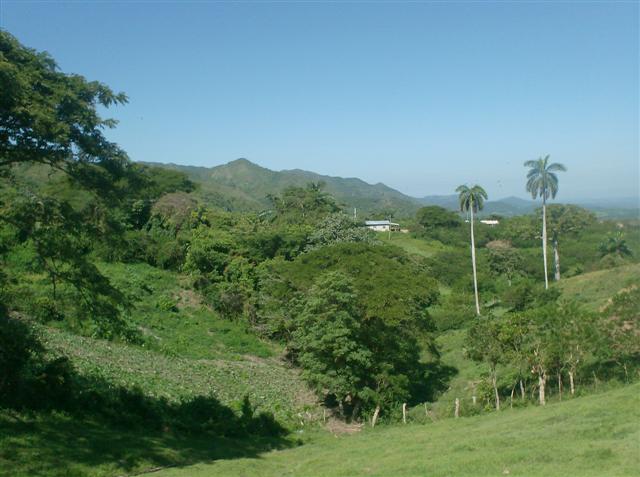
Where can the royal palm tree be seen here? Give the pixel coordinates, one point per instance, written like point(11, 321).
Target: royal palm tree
point(542, 181)
point(472, 200)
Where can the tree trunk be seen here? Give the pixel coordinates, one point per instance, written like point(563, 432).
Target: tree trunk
point(556, 259)
point(473, 261)
point(542, 381)
point(355, 411)
point(544, 240)
point(457, 410)
point(521, 390)
point(374, 419)
point(513, 390)
point(494, 381)
point(571, 385)
point(560, 386)
point(404, 412)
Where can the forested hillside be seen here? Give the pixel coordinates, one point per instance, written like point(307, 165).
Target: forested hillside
point(155, 317)
point(242, 186)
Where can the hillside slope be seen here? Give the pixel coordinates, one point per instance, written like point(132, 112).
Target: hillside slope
point(243, 185)
point(594, 289)
point(597, 435)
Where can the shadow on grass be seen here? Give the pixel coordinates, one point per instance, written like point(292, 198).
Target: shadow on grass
point(59, 444)
point(57, 422)
point(439, 376)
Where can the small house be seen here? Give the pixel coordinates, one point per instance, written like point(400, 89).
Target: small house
point(381, 225)
point(490, 222)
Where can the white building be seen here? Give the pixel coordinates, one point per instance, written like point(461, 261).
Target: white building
point(381, 225)
point(491, 222)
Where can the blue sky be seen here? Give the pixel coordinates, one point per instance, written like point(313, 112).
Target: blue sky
point(422, 96)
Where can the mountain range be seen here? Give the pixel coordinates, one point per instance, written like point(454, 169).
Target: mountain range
point(241, 185)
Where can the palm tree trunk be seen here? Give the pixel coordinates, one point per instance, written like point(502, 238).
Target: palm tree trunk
point(544, 240)
point(473, 261)
point(556, 259)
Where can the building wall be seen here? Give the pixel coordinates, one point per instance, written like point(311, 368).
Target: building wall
point(378, 228)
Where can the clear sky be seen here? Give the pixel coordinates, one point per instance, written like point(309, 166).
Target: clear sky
point(422, 96)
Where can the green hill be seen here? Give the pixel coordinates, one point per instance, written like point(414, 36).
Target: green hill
point(597, 435)
point(594, 289)
point(243, 185)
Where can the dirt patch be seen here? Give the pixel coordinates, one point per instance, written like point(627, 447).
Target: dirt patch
point(188, 299)
point(337, 427)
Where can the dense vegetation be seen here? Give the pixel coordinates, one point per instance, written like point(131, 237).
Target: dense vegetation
point(130, 303)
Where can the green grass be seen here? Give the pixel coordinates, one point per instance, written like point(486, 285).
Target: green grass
point(594, 289)
point(597, 435)
point(413, 246)
point(467, 376)
point(57, 445)
point(190, 329)
point(270, 384)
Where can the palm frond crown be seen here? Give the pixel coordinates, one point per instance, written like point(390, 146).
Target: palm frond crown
point(475, 195)
point(541, 178)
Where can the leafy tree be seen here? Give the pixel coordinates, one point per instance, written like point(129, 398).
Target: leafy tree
point(542, 181)
point(303, 204)
point(621, 327)
point(616, 246)
point(472, 200)
point(433, 217)
point(338, 228)
point(578, 338)
point(564, 220)
point(391, 295)
point(484, 343)
point(327, 342)
point(504, 259)
point(51, 119)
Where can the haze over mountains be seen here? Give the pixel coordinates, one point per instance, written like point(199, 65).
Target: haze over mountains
point(244, 185)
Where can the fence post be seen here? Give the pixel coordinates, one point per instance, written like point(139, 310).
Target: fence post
point(375, 416)
point(457, 412)
point(404, 412)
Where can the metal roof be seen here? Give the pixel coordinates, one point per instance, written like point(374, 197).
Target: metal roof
point(379, 222)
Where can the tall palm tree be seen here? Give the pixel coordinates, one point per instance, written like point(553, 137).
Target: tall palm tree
point(472, 200)
point(542, 181)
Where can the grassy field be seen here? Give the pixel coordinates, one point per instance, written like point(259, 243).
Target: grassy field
point(413, 246)
point(597, 435)
point(269, 383)
point(59, 445)
point(174, 320)
point(594, 289)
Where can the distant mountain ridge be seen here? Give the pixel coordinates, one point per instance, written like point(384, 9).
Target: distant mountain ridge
point(242, 185)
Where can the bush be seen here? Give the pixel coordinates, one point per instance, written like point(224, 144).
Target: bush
point(46, 309)
point(19, 346)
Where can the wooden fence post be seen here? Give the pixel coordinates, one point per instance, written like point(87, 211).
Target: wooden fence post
point(457, 412)
point(375, 416)
point(404, 412)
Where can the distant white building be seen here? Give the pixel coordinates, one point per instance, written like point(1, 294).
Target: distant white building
point(491, 222)
point(381, 225)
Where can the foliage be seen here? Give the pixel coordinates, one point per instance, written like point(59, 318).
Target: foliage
point(303, 205)
point(615, 246)
point(622, 329)
point(504, 259)
point(338, 228)
point(328, 343)
point(542, 180)
point(18, 347)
